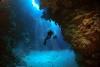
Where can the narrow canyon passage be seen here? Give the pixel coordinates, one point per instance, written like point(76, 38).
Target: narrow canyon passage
point(31, 48)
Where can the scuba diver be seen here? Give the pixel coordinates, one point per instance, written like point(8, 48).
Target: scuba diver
point(49, 35)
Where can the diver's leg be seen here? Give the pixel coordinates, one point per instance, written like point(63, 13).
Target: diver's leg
point(45, 40)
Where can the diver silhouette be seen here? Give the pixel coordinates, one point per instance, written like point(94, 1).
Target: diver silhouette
point(49, 35)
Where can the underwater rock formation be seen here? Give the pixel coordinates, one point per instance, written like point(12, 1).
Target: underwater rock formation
point(80, 23)
point(5, 49)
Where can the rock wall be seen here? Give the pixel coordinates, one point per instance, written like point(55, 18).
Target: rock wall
point(80, 23)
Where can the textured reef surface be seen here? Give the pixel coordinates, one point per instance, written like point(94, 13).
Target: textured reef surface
point(80, 24)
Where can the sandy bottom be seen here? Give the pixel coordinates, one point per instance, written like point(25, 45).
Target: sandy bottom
point(61, 58)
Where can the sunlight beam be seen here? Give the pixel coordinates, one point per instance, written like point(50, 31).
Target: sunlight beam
point(35, 5)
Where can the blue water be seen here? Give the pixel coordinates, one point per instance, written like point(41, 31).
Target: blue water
point(62, 58)
point(32, 30)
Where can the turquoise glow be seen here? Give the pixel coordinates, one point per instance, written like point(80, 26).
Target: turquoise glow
point(62, 58)
point(32, 29)
point(35, 5)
